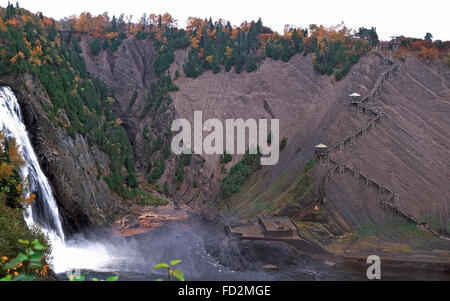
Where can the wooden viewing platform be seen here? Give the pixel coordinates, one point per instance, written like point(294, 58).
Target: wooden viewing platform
point(274, 229)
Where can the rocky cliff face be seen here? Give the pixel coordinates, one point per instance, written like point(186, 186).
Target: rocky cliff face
point(72, 165)
point(129, 72)
point(407, 152)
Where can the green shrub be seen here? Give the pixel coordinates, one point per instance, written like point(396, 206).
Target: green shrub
point(283, 143)
point(225, 157)
point(179, 172)
point(165, 189)
point(76, 46)
point(166, 152)
point(13, 228)
point(303, 188)
point(239, 174)
point(240, 60)
point(157, 171)
point(95, 47)
point(28, 265)
point(310, 164)
point(141, 35)
point(251, 63)
point(150, 199)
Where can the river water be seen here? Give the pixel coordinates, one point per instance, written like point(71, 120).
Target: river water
point(204, 257)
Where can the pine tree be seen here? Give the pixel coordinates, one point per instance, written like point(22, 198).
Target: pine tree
point(165, 188)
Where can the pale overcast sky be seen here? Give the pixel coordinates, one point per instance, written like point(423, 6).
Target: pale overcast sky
point(390, 17)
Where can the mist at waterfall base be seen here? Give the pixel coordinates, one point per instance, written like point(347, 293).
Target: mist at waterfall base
point(206, 254)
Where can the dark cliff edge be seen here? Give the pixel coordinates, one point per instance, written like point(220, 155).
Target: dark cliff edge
point(72, 165)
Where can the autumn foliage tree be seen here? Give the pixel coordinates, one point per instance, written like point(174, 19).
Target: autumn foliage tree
point(13, 189)
point(425, 49)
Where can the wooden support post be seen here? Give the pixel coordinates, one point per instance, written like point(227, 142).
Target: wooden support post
point(356, 173)
point(396, 199)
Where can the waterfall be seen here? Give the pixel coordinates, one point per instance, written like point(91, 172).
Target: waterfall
point(44, 211)
point(81, 254)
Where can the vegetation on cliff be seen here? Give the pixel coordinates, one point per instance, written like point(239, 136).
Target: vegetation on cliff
point(426, 50)
point(32, 43)
point(218, 44)
point(239, 173)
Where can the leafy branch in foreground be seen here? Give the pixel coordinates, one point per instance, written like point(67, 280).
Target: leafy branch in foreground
point(171, 272)
point(83, 278)
point(27, 265)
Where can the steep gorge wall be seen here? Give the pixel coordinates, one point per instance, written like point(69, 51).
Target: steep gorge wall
point(408, 151)
point(130, 70)
point(127, 71)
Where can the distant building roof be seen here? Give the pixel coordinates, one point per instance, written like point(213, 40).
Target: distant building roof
point(354, 94)
point(278, 226)
point(321, 145)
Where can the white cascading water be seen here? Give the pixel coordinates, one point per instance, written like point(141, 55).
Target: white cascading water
point(44, 211)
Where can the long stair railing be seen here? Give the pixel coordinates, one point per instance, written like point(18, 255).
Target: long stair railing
point(390, 199)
